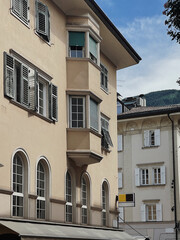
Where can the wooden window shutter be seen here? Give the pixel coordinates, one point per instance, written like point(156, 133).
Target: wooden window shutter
point(163, 175)
point(8, 75)
point(120, 148)
point(146, 138)
point(16, 7)
point(143, 213)
point(121, 214)
point(25, 85)
point(157, 137)
point(24, 10)
point(137, 176)
point(42, 20)
point(53, 102)
point(120, 185)
point(33, 90)
point(159, 212)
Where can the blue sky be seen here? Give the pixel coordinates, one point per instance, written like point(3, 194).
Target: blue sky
point(141, 22)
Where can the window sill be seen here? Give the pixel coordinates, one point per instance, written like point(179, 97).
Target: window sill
point(84, 59)
point(105, 149)
point(84, 130)
point(104, 90)
point(147, 147)
point(18, 18)
point(152, 185)
point(48, 43)
point(31, 111)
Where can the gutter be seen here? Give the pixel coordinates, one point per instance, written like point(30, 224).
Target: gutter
point(174, 178)
point(107, 22)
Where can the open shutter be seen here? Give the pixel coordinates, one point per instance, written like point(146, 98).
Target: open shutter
point(121, 214)
point(146, 138)
point(137, 176)
point(159, 211)
point(33, 90)
point(8, 75)
point(25, 85)
point(16, 7)
point(120, 180)
point(143, 213)
point(163, 175)
point(24, 10)
point(53, 102)
point(157, 137)
point(120, 148)
point(42, 20)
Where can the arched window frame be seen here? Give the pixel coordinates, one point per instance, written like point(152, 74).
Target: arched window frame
point(105, 202)
point(17, 194)
point(69, 198)
point(85, 198)
point(42, 202)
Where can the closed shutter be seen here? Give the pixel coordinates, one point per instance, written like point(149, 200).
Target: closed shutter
point(94, 116)
point(121, 214)
point(143, 213)
point(53, 102)
point(146, 138)
point(25, 85)
point(92, 46)
point(42, 20)
point(157, 137)
point(159, 212)
point(137, 176)
point(16, 7)
point(24, 10)
point(163, 175)
point(120, 148)
point(76, 39)
point(8, 75)
point(120, 185)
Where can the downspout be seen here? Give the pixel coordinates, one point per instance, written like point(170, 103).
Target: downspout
point(174, 177)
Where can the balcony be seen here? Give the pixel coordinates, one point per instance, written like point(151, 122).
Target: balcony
point(83, 146)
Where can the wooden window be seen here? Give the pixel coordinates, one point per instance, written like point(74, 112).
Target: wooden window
point(20, 8)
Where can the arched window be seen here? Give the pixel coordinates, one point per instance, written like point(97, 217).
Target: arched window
point(85, 199)
point(105, 203)
point(18, 186)
point(68, 198)
point(41, 191)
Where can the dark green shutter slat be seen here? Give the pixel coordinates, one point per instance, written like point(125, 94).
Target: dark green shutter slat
point(8, 75)
point(76, 39)
point(53, 102)
point(24, 10)
point(93, 46)
point(16, 7)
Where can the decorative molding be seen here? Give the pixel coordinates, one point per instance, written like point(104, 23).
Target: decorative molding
point(112, 211)
point(32, 196)
point(96, 208)
point(79, 205)
point(6, 192)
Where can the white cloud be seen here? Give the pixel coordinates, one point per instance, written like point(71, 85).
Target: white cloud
point(160, 65)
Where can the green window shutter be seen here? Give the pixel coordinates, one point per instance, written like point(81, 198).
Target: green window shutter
point(43, 20)
point(8, 75)
point(16, 7)
point(76, 39)
point(33, 90)
point(93, 46)
point(25, 85)
point(24, 11)
point(94, 116)
point(53, 102)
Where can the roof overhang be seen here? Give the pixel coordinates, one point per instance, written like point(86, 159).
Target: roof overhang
point(31, 229)
point(113, 44)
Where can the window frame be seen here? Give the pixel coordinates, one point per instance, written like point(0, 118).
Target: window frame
point(92, 115)
point(152, 138)
point(82, 48)
point(84, 201)
point(151, 211)
point(69, 204)
point(19, 15)
point(105, 203)
point(144, 176)
point(106, 138)
point(104, 75)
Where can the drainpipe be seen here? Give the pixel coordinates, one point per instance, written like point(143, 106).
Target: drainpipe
point(174, 177)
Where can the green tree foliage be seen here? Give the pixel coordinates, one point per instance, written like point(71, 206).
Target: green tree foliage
point(173, 19)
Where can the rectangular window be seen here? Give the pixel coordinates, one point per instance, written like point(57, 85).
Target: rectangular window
point(93, 49)
point(159, 175)
point(42, 20)
point(94, 115)
point(76, 44)
point(77, 112)
point(20, 8)
point(24, 85)
point(104, 77)
point(144, 177)
point(152, 138)
point(151, 212)
point(106, 139)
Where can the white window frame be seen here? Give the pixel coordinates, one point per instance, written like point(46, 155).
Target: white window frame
point(45, 85)
point(84, 216)
point(106, 128)
point(20, 15)
point(162, 177)
point(84, 113)
point(41, 199)
point(144, 176)
point(153, 212)
point(152, 138)
point(157, 217)
point(15, 193)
